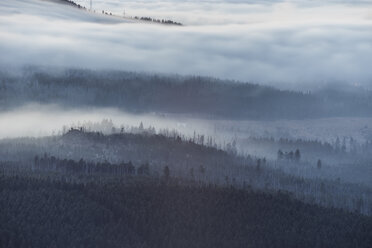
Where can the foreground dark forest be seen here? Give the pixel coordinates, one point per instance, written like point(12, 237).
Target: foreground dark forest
point(162, 213)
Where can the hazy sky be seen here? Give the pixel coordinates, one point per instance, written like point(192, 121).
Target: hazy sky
point(281, 43)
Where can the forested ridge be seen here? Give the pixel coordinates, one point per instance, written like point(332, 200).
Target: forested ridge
point(208, 97)
point(70, 2)
point(50, 213)
point(82, 156)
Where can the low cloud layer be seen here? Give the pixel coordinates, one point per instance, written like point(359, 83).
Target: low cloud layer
point(278, 43)
point(36, 120)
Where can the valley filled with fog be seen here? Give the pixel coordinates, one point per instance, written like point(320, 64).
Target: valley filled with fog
point(322, 136)
point(176, 123)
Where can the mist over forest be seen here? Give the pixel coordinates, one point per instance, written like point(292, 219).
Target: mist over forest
point(185, 123)
point(191, 95)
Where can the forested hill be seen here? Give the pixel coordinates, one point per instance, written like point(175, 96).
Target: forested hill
point(208, 97)
point(68, 2)
point(85, 155)
point(48, 213)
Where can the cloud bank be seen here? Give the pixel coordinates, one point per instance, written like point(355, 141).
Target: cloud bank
point(284, 44)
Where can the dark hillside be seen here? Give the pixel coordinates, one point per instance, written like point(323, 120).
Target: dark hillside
point(37, 213)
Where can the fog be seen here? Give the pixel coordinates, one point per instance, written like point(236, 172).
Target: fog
point(42, 120)
point(294, 44)
point(225, 12)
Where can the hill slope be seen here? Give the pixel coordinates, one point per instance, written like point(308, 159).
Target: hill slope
point(38, 213)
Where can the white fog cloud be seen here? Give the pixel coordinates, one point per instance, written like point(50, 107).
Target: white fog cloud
point(35, 120)
point(300, 43)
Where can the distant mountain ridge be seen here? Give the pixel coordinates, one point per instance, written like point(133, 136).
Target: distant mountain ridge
point(191, 95)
